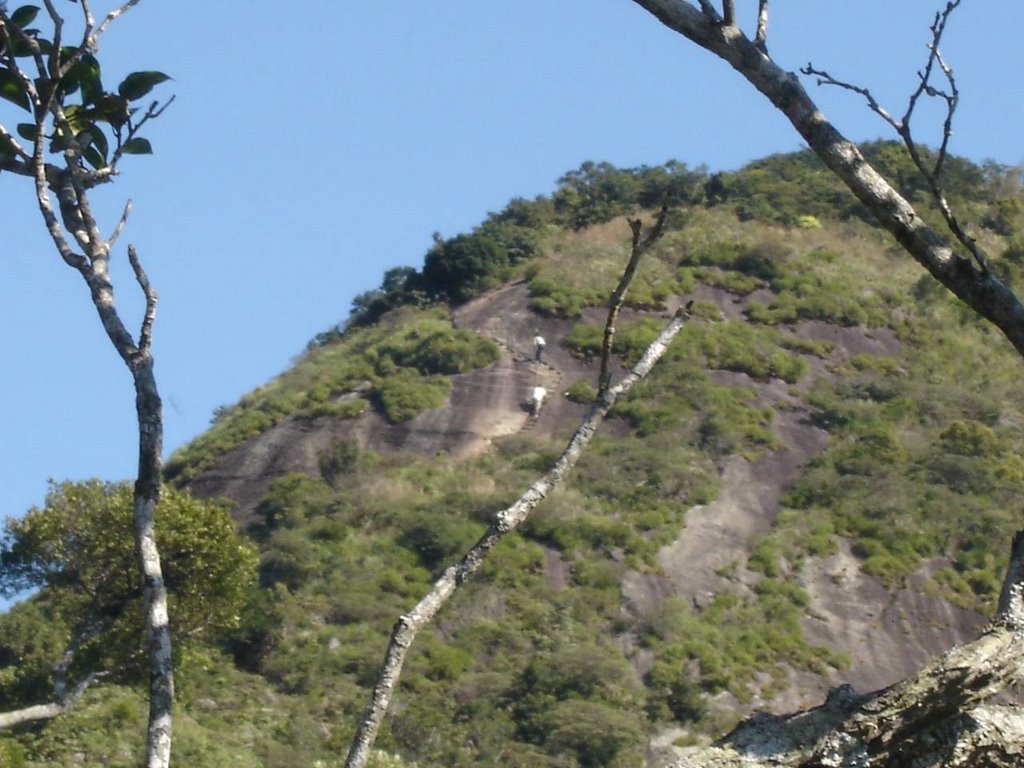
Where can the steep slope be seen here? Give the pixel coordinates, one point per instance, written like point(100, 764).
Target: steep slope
point(885, 635)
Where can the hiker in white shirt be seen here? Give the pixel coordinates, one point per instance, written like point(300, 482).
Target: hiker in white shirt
point(539, 393)
point(539, 344)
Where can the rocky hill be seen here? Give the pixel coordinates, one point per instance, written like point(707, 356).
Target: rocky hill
point(814, 487)
point(885, 633)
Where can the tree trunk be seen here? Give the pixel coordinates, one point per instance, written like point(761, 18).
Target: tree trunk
point(149, 413)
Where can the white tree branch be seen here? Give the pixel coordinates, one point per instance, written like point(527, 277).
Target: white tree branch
point(506, 521)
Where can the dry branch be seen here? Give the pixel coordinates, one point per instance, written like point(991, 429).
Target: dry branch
point(507, 520)
point(977, 287)
point(951, 97)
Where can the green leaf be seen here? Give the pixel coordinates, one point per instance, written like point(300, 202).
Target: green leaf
point(94, 158)
point(92, 137)
point(112, 109)
point(77, 118)
point(27, 131)
point(7, 147)
point(11, 90)
point(137, 146)
point(24, 15)
point(84, 73)
point(138, 84)
point(99, 140)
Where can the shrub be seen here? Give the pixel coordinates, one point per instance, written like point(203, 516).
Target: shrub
point(463, 267)
point(405, 394)
point(432, 346)
point(970, 438)
point(597, 735)
point(557, 298)
point(676, 692)
point(437, 537)
point(581, 391)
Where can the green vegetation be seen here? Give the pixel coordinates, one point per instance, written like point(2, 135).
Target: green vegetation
point(920, 467)
point(88, 601)
point(760, 353)
point(801, 306)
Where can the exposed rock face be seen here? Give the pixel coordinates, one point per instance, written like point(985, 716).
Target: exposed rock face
point(483, 405)
point(887, 636)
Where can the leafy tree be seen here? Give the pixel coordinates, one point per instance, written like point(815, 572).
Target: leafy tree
point(86, 617)
point(464, 266)
point(598, 192)
point(594, 193)
point(76, 132)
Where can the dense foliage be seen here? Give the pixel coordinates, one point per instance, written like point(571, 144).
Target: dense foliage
point(76, 554)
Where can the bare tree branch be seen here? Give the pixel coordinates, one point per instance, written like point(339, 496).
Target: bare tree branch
point(119, 227)
point(62, 699)
point(637, 249)
point(506, 521)
point(941, 715)
point(146, 334)
point(951, 97)
point(113, 16)
point(729, 13)
point(977, 287)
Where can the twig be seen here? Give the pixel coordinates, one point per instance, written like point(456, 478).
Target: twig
point(155, 110)
point(120, 224)
point(113, 15)
point(146, 334)
point(761, 36)
point(931, 175)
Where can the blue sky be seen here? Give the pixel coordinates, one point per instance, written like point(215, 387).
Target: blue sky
point(312, 146)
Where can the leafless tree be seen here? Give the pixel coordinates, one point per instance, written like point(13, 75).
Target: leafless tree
point(66, 150)
point(507, 520)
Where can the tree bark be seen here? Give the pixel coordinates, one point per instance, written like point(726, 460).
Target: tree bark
point(31, 714)
point(149, 413)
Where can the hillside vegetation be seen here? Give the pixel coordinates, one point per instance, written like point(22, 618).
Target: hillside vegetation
point(541, 661)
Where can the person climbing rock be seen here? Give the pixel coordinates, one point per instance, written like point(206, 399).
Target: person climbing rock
point(539, 344)
point(539, 393)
